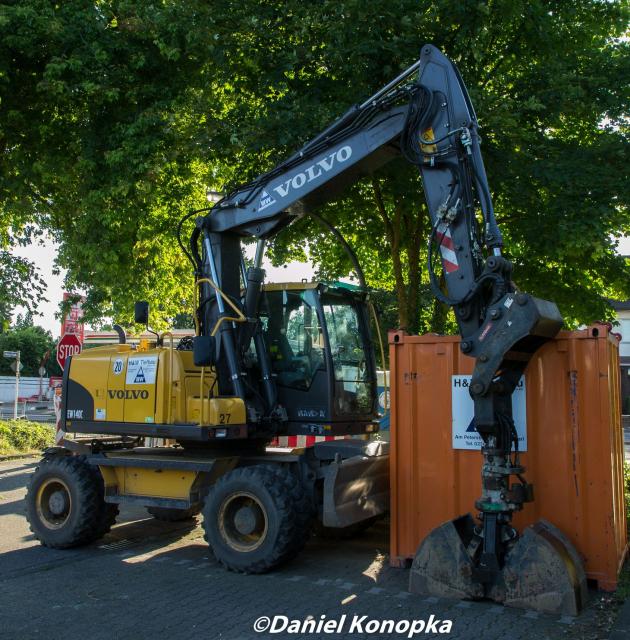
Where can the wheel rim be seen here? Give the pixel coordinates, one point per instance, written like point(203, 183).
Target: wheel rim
point(54, 503)
point(243, 521)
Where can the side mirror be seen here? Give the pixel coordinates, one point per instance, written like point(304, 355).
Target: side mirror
point(141, 312)
point(204, 351)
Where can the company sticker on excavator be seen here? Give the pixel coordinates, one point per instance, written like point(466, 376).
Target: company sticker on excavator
point(266, 200)
point(465, 435)
point(141, 370)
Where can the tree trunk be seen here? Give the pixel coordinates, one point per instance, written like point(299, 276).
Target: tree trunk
point(392, 229)
point(440, 312)
point(414, 229)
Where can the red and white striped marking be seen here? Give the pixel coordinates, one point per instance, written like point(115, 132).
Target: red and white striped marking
point(447, 248)
point(295, 442)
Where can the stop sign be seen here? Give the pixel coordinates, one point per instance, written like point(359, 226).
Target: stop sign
point(69, 345)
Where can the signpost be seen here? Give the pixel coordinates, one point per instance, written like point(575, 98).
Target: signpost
point(71, 339)
point(17, 366)
point(42, 373)
point(72, 321)
point(69, 345)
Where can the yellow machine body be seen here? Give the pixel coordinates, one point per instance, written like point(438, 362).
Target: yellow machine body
point(148, 385)
point(154, 483)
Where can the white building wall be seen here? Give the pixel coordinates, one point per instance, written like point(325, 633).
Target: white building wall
point(28, 387)
point(624, 330)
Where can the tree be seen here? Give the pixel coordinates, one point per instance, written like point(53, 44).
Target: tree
point(92, 146)
point(20, 284)
point(545, 82)
point(135, 107)
point(36, 346)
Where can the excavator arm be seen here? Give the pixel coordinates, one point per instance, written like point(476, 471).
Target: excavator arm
point(425, 115)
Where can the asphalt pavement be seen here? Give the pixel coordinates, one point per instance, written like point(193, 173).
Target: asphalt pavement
point(149, 579)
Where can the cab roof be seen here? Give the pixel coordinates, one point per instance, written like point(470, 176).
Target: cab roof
point(302, 286)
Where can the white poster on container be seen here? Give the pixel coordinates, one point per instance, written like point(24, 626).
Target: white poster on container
point(141, 370)
point(464, 434)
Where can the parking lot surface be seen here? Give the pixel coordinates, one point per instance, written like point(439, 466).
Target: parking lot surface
point(149, 579)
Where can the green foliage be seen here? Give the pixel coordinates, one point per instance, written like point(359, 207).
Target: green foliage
point(35, 345)
point(623, 586)
point(543, 82)
point(20, 284)
point(626, 484)
point(98, 157)
point(116, 115)
point(24, 436)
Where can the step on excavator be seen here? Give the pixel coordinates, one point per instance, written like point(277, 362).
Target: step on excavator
point(297, 359)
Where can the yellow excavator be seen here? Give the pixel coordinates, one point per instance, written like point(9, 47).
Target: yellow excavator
point(298, 359)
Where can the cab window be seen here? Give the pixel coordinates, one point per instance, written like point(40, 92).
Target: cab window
point(294, 337)
point(353, 383)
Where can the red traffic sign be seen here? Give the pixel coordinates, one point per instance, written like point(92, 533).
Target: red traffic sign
point(69, 345)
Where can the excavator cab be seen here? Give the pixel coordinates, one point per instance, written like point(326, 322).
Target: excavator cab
point(321, 354)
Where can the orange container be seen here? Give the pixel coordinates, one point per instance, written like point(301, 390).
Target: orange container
point(574, 455)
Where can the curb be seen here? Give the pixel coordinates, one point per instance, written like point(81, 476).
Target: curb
point(621, 629)
point(18, 456)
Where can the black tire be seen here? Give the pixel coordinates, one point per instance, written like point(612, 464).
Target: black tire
point(167, 514)
point(252, 518)
point(305, 510)
point(108, 519)
point(64, 503)
point(109, 511)
point(344, 533)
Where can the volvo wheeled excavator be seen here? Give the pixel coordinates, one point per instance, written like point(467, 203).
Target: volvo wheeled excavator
point(297, 358)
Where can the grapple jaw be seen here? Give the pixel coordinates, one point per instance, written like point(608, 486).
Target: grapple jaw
point(443, 566)
point(541, 570)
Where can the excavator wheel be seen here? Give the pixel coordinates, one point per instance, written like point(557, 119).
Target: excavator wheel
point(305, 510)
point(252, 518)
point(166, 514)
point(109, 511)
point(64, 503)
point(108, 519)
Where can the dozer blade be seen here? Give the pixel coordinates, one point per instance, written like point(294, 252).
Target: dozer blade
point(441, 566)
point(542, 570)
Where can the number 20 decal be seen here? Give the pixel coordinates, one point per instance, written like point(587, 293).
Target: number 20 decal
point(118, 366)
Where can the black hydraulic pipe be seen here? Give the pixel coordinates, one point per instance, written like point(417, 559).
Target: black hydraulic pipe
point(255, 277)
point(226, 335)
point(344, 243)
